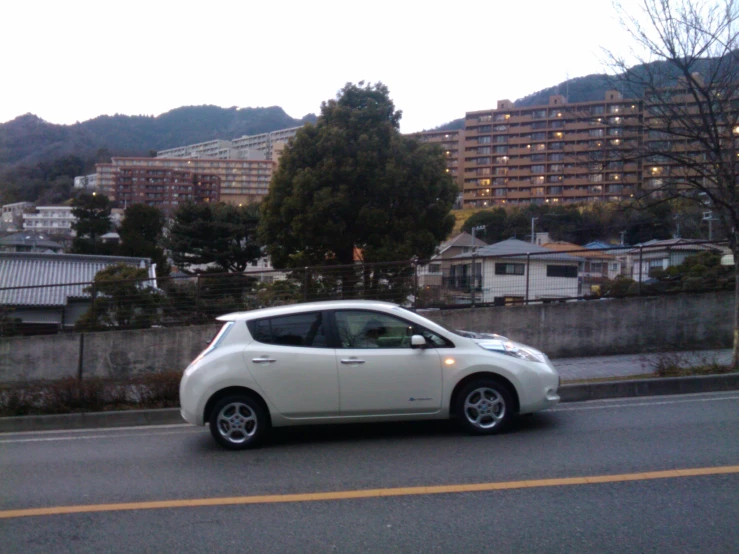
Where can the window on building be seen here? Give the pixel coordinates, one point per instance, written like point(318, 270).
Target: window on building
point(509, 269)
point(562, 271)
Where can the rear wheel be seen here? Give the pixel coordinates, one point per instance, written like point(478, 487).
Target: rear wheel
point(484, 407)
point(238, 422)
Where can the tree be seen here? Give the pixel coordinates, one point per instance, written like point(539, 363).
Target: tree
point(494, 222)
point(691, 101)
point(92, 213)
point(219, 234)
point(351, 183)
point(141, 232)
point(121, 299)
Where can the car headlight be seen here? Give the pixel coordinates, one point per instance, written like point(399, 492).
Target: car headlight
point(515, 349)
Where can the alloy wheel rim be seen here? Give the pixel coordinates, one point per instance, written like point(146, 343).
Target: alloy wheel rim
point(484, 408)
point(236, 422)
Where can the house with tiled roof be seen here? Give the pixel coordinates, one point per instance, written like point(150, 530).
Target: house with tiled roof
point(431, 274)
point(29, 241)
point(47, 292)
point(661, 254)
point(513, 271)
point(597, 265)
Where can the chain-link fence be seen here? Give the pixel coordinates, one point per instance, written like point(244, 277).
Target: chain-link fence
point(476, 278)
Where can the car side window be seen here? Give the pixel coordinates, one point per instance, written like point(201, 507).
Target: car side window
point(290, 330)
point(432, 338)
point(363, 329)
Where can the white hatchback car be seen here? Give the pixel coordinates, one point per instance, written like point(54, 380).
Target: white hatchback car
point(356, 361)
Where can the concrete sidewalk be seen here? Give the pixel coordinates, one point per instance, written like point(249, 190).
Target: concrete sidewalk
point(625, 365)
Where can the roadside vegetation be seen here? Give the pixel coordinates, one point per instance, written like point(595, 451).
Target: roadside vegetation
point(70, 395)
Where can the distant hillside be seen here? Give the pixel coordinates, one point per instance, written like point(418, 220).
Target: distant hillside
point(28, 139)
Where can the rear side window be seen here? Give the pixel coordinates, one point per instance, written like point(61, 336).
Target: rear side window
point(290, 330)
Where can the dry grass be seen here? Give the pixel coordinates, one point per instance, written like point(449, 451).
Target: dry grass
point(69, 395)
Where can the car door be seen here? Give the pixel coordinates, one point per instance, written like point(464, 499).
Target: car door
point(292, 363)
point(379, 372)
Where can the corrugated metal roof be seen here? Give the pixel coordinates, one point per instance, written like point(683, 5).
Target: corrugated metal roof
point(43, 270)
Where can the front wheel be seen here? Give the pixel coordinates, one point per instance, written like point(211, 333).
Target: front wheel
point(238, 422)
point(484, 407)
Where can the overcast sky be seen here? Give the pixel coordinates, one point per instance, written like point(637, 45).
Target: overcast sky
point(74, 60)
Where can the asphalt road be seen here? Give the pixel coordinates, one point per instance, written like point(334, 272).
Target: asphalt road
point(613, 440)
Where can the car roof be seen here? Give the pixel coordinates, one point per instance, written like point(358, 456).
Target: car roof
point(307, 307)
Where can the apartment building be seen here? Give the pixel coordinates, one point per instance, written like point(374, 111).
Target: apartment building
point(452, 144)
point(238, 181)
point(12, 215)
point(265, 146)
point(49, 219)
point(214, 149)
point(556, 153)
point(165, 188)
point(86, 182)
point(270, 145)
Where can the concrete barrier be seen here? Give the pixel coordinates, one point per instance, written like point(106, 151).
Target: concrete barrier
point(571, 329)
point(117, 354)
point(606, 327)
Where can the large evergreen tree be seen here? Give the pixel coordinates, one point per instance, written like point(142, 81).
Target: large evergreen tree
point(141, 232)
point(353, 182)
point(93, 220)
point(223, 235)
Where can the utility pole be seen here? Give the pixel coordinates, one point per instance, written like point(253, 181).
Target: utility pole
point(622, 233)
point(708, 216)
point(473, 273)
point(533, 234)
point(677, 217)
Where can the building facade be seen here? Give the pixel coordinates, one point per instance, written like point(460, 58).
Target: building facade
point(232, 181)
point(49, 219)
point(556, 153)
point(452, 145)
point(265, 146)
point(165, 188)
point(12, 215)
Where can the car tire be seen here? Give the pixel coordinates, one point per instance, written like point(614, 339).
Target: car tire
point(484, 407)
point(238, 422)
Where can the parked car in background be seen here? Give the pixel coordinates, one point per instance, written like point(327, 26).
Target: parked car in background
point(356, 361)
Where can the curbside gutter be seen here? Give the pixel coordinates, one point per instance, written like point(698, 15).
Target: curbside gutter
point(568, 393)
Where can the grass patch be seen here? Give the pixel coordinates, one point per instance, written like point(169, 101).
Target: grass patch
point(68, 396)
point(679, 364)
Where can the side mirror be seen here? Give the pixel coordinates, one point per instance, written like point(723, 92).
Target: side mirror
point(417, 341)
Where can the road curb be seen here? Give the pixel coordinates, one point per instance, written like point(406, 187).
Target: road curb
point(649, 387)
point(90, 420)
point(568, 393)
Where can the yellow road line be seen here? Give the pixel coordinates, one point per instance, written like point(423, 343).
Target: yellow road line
point(367, 493)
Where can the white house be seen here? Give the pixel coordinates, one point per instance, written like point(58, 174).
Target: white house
point(661, 254)
point(513, 271)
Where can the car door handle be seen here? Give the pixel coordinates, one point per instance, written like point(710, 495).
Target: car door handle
point(264, 360)
point(352, 361)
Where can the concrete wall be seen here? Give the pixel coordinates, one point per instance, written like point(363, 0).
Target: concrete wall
point(111, 354)
point(602, 327)
point(598, 327)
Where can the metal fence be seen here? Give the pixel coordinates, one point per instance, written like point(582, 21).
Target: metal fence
point(467, 279)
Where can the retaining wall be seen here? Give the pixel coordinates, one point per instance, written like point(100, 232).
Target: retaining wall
point(572, 329)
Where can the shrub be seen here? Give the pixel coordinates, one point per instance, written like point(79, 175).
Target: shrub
point(95, 394)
